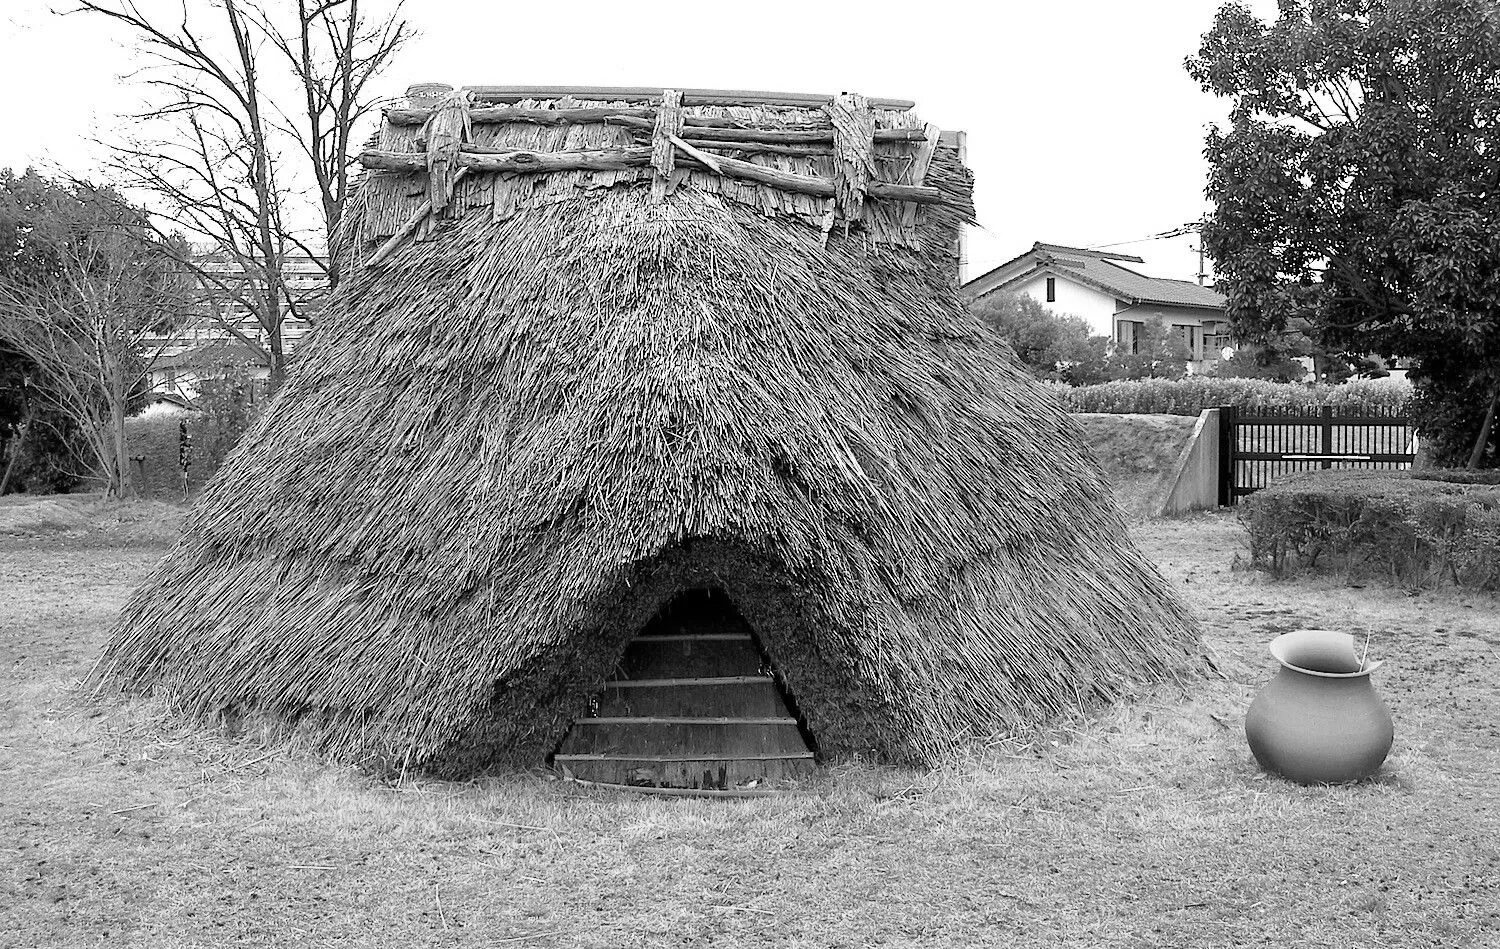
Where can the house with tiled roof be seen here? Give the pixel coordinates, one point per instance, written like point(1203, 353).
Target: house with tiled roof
point(1115, 300)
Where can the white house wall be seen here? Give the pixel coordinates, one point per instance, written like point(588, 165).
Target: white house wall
point(1073, 299)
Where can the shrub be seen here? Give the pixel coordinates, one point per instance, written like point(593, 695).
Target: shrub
point(1380, 524)
point(1049, 344)
point(47, 460)
point(1457, 475)
point(1194, 394)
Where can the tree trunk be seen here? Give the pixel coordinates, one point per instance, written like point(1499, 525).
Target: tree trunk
point(119, 476)
point(17, 446)
point(1483, 441)
point(278, 357)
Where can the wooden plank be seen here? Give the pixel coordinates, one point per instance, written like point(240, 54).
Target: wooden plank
point(723, 740)
point(683, 720)
point(677, 657)
point(680, 792)
point(754, 698)
point(703, 680)
point(707, 637)
point(788, 756)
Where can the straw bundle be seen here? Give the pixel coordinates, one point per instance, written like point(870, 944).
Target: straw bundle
point(517, 437)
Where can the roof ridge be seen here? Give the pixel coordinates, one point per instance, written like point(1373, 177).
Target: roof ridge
point(1098, 254)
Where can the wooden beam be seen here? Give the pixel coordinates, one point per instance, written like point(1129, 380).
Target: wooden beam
point(682, 720)
point(820, 187)
point(652, 94)
point(501, 114)
point(522, 162)
point(704, 680)
point(678, 792)
point(787, 756)
point(603, 159)
point(780, 136)
point(411, 225)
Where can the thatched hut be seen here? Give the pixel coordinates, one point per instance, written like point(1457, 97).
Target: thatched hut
point(648, 429)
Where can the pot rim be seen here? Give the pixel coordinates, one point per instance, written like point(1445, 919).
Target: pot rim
point(1276, 645)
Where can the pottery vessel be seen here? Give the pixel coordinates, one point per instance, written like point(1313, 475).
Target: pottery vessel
point(1319, 719)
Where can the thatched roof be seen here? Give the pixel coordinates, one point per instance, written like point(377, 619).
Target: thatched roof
point(569, 395)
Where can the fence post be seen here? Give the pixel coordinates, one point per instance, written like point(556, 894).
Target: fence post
point(1226, 455)
point(1325, 444)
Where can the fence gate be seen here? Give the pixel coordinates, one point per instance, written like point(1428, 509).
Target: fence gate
point(1257, 446)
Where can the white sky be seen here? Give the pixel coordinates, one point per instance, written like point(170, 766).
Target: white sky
point(1083, 126)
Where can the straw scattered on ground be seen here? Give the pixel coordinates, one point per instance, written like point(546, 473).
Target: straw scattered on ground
point(1147, 825)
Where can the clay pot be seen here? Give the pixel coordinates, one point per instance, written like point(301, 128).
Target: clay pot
point(1319, 720)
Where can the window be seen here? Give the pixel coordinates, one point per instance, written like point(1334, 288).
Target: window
point(1128, 337)
point(1215, 339)
point(1051, 289)
point(1188, 335)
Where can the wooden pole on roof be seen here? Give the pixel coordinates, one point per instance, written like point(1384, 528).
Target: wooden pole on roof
point(614, 159)
point(853, 150)
point(663, 148)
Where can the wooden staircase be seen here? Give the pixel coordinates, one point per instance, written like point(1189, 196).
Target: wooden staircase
point(692, 705)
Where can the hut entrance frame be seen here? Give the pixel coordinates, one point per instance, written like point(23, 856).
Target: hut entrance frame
point(694, 703)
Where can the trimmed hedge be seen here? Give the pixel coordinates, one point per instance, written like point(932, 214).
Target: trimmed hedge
point(1384, 525)
point(1458, 475)
point(1194, 394)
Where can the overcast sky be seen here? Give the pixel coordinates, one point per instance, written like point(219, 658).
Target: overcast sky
point(1083, 127)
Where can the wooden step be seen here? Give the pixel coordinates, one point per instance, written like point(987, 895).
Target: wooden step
point(683, 737)
point(721, 697)
point(703, 680)
point(788, 756)
point(682, 720)
point(762, 771)
point(688, 657)
point(696, 637)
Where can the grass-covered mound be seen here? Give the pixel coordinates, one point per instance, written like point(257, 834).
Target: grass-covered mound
point(1138, 455)
point(1384, 525)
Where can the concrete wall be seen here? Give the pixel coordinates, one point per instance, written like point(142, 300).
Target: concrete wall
point(1196, 486)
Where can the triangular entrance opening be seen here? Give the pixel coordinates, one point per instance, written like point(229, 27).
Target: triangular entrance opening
point(694, 703)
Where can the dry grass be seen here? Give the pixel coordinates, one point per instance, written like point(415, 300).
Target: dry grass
point(1146, 825)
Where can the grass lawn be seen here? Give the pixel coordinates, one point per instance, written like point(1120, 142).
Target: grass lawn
point(1146, 825)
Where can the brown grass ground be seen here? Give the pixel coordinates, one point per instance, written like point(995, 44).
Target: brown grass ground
point(1146, 825)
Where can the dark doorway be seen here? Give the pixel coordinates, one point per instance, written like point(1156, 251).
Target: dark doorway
point(693, 704)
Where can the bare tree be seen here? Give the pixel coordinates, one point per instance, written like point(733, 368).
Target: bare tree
point(335, 52)
point(226, 158)
point(96, 285)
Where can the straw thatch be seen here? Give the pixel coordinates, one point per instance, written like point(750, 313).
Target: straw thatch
point(567, 396)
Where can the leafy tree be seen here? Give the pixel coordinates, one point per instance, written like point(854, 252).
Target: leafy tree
point(83, 283)
point(1158, 353)
point(1261, 361)
point(1358, 186)
point(36, 442)
point(1051, 345)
